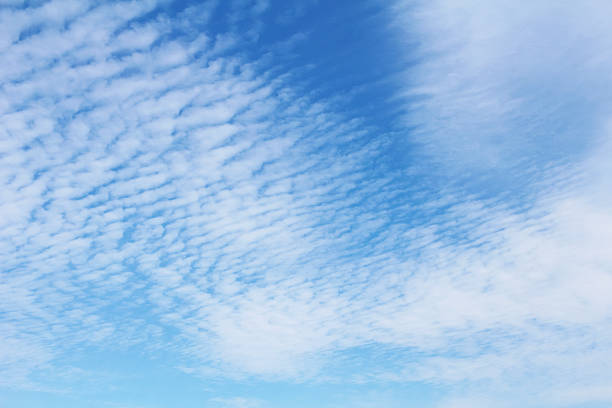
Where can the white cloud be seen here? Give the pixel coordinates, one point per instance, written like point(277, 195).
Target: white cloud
point(250, 222)
point(501, 86)
point(236, 402)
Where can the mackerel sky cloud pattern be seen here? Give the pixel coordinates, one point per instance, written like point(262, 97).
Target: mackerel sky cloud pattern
point(267, 204)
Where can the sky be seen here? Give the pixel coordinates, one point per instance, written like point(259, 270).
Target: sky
point(303, 203)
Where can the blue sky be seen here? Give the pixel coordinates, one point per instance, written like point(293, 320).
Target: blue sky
point(265, 204)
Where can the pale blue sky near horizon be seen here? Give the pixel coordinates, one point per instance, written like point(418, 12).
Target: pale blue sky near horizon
point(298, 204)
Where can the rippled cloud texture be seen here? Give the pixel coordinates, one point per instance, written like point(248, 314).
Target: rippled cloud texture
point(185, 193)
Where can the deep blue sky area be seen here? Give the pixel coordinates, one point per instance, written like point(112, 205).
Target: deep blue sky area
point(338, 50)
